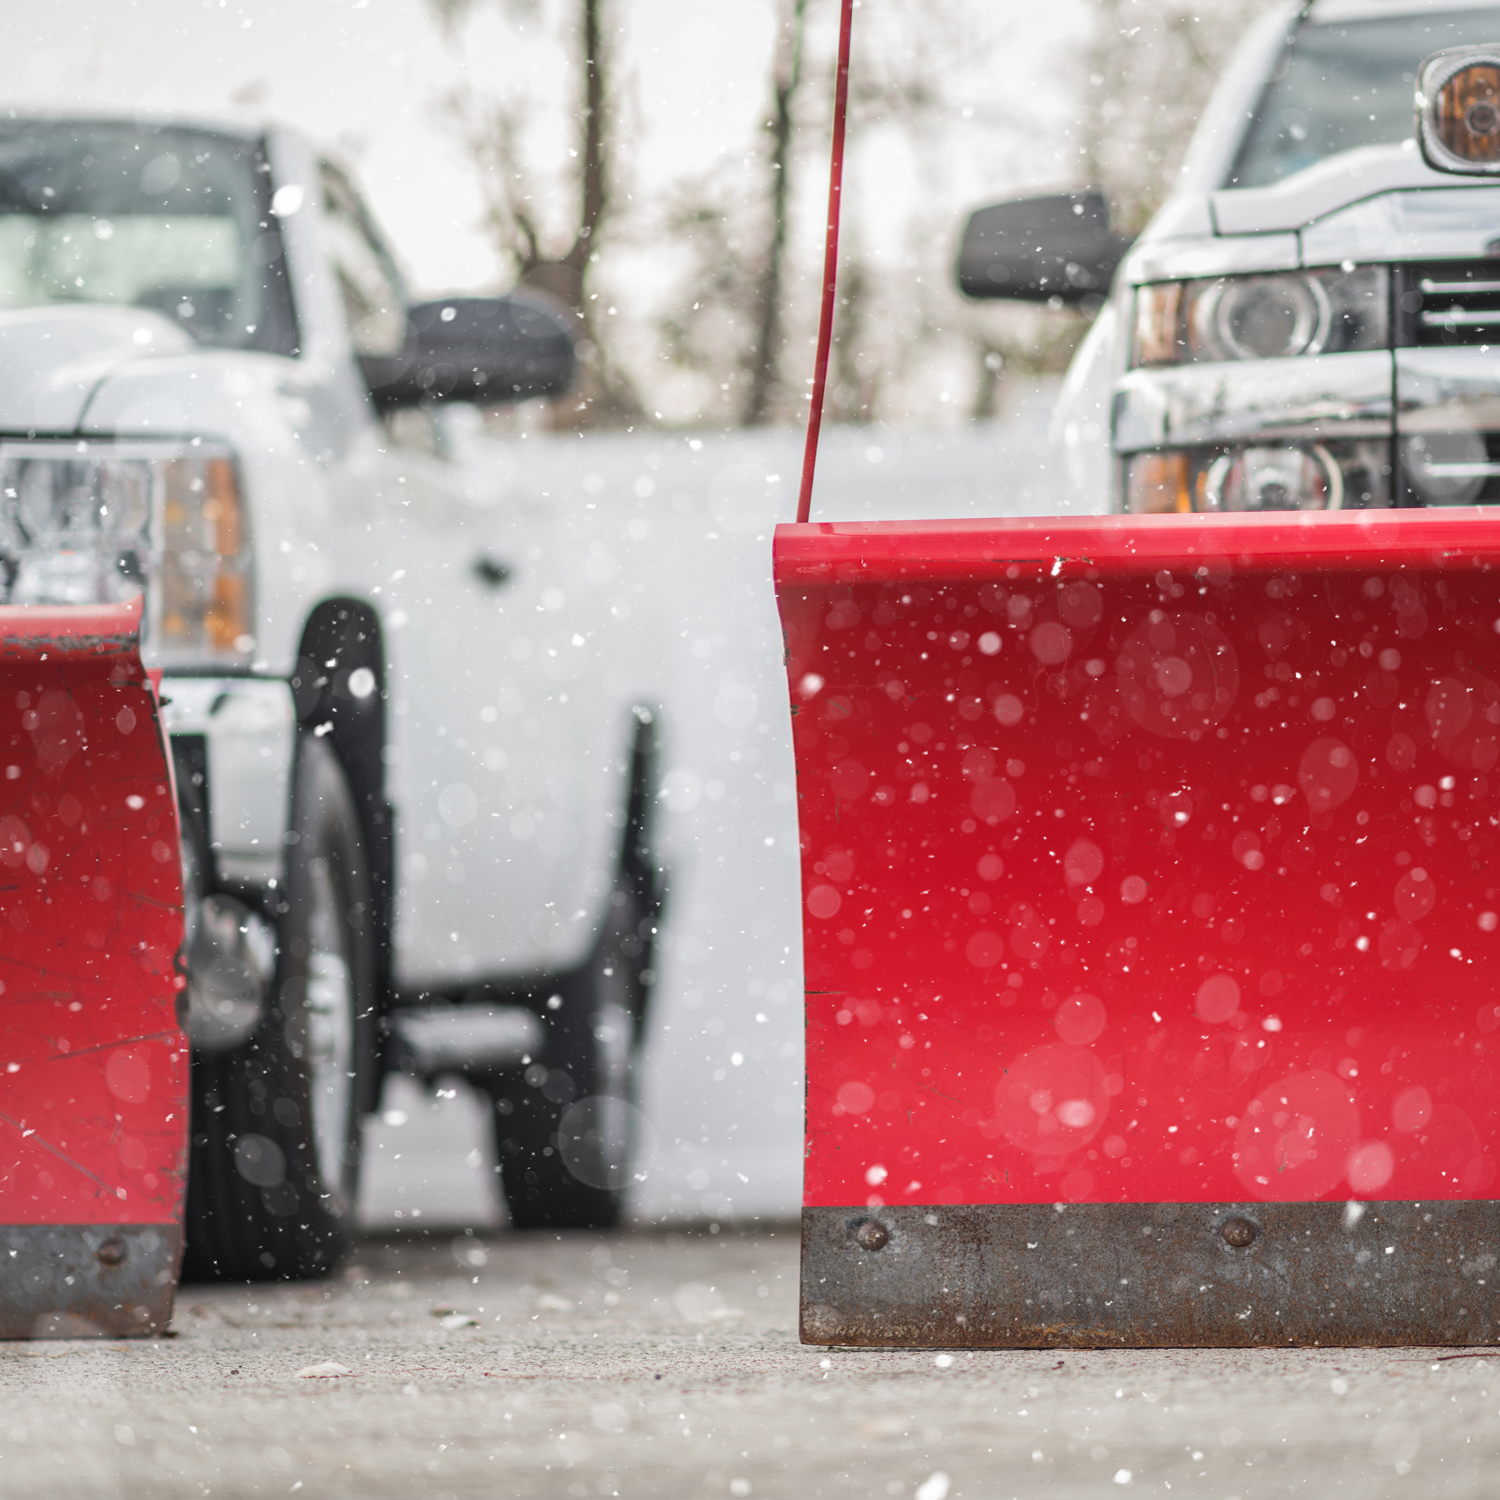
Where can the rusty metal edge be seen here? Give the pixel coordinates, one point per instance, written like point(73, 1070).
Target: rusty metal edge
point(87, 629)
point(1144, 1275)
point(72, 645)
point(87, 1280)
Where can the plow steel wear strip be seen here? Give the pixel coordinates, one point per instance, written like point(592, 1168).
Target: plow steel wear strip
point(1105, 1275)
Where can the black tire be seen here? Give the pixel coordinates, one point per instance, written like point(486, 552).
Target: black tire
point(564, 1125)
point(273, 1168)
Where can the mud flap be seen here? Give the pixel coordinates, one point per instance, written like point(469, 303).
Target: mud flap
point(1151, 923)
point(93, 1065)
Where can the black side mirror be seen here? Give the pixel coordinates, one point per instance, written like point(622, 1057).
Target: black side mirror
point(1035, 249)
point(481, 349)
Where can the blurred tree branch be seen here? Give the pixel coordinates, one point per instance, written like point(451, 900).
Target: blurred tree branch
point(748, 297)
point(1150, 67)
point(493, 132)
point(786, 80)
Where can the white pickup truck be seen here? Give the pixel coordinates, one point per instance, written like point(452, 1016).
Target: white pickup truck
point(413, 731)
point(1311, 321)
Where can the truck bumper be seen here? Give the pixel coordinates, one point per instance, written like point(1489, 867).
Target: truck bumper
point(246, 729)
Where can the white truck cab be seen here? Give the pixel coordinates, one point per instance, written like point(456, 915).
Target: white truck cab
point(1312, 319)
point(412, 732)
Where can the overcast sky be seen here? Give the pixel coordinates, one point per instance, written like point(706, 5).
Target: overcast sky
point(366, 74)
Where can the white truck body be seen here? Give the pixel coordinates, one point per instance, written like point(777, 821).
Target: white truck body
point(1421, 396)
point(508, 705)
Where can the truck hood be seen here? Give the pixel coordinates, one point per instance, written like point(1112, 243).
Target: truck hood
point(1326, 187)
point(52, 359)
point(1376, 203)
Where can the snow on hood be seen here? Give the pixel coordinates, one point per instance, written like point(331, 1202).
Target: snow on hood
point(52, 359)
point(1328, 186)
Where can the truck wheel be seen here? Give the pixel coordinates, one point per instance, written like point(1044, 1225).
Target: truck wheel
point(273, 1169)
point(563, 1126)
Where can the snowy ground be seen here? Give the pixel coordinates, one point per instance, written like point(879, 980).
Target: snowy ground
point(665, 1365)
point(721, 1086)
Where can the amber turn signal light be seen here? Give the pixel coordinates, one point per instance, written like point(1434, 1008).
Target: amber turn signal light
point(1159, 484)
point(1458, 110)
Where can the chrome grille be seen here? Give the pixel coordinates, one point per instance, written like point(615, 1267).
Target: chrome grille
point(1452, 468)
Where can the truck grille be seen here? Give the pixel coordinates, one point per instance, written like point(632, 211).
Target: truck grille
point(1453, 468)
point(1445, 304)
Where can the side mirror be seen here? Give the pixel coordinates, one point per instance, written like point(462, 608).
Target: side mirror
point(481, 349)
point(1035, 249)
point(1458, 111)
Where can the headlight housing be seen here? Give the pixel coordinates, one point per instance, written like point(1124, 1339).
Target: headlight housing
point(87, 523)
point(1261, 317)
point(1265, 476)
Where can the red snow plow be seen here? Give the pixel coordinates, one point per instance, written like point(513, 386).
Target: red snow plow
point(1151, 898)
point(93, 1065)
point(1151, 893)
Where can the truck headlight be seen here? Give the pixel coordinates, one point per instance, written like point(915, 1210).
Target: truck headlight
point(89, 523)
point(1260, 317)
point(1260, 477)
point(1280, 477)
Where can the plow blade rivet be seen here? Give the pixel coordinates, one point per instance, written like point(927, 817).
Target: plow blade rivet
point(110, 1253)
point(871, 1235)
point(1238, 1232)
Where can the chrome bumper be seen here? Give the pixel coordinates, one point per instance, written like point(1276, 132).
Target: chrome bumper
point(1438, 408)
point(1448, 390)
point(1448, 425)
point(248, 726)
point(1333, 396)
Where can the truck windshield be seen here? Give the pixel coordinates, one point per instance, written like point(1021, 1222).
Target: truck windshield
point(1347, 84)
point(170, 219)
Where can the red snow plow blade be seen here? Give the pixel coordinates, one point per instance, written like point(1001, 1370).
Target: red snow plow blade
point(1151, 926)
point(93, 1065)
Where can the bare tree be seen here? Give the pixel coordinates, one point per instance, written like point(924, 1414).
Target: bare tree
point(749, 301)
point(735, 226)
point(1145, 76)
point(554, 261)
point(786, 81)
point(1151, 65)
point(713, 223)
point(904, 338)
point(856, 374)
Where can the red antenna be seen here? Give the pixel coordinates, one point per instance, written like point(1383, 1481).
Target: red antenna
point(830, 263)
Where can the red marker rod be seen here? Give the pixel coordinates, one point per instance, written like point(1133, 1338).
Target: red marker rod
point(830, 263)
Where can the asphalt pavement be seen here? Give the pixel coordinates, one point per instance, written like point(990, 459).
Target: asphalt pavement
point(443, 1363)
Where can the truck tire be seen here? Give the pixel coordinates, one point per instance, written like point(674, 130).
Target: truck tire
point(563, 1125)
point(273, 1168)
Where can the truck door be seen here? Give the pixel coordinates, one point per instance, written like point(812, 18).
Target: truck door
point(501, 754)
